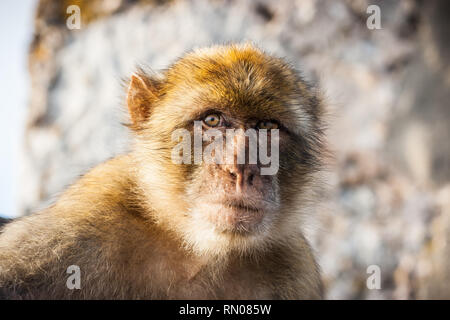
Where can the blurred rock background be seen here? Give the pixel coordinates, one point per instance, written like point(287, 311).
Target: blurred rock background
point(388, 202)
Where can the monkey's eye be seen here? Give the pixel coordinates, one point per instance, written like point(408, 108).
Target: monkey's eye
point(212, 120)
point(267, 124)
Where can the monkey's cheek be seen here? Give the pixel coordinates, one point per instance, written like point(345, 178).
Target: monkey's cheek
point(231, 219)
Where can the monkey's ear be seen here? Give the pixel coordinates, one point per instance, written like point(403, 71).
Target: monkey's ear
point(141, 95)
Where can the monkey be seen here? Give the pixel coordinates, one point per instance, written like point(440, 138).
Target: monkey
point(143, 226)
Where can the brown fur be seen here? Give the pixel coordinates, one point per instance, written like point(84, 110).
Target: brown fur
point(135, 224)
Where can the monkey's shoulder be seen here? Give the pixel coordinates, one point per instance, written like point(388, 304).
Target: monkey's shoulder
point(94, 225)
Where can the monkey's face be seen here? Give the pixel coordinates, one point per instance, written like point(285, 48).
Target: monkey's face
point(229, 143)
point(231, 189)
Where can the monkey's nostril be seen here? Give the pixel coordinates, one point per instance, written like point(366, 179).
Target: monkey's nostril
point(250, 179)
point(233, 175)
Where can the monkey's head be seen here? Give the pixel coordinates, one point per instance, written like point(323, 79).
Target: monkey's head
point(227, 143)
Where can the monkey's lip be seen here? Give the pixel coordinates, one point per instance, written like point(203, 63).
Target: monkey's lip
point(241, 205)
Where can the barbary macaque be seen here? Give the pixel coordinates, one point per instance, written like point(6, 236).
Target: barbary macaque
point(161, 222)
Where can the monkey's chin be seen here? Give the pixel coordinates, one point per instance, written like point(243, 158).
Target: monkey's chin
point(218, 229)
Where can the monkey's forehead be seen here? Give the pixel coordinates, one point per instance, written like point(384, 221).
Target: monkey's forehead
point(240, 79)
point(187, 104)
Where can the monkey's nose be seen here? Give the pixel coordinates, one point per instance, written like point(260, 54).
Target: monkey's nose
point(242, 175)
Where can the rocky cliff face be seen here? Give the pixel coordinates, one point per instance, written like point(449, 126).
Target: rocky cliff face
point(387, 92)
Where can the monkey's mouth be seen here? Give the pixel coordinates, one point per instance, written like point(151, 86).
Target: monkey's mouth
point(242, 205)
point(234, 216)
